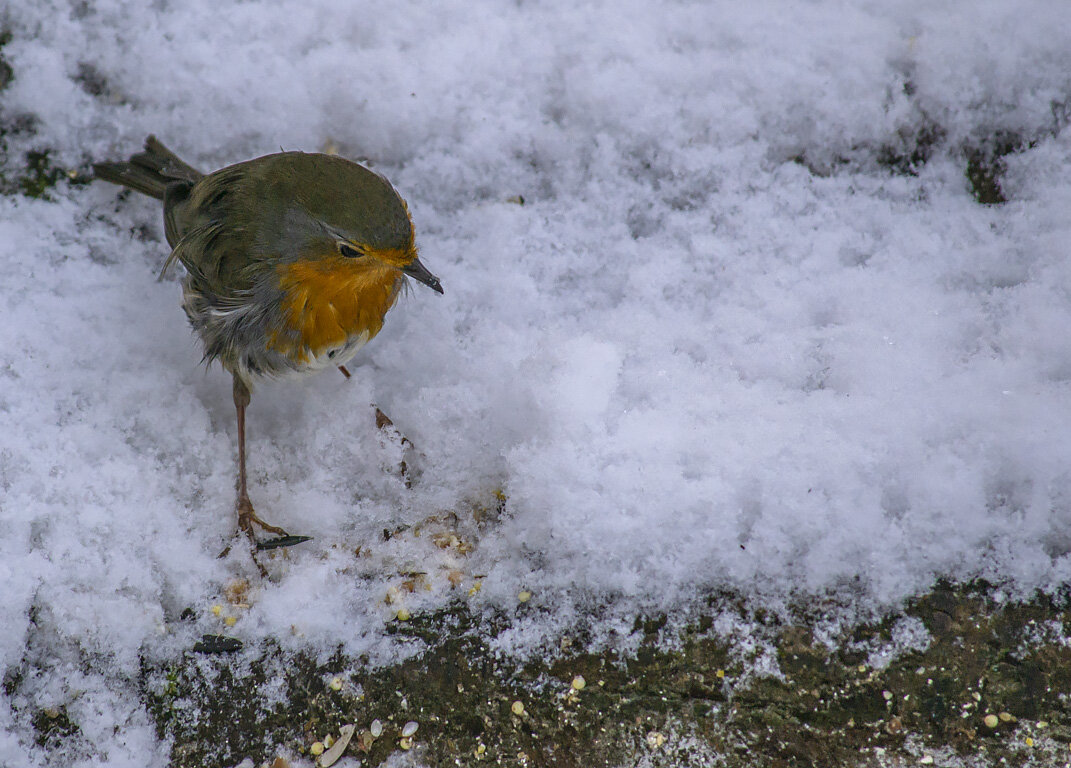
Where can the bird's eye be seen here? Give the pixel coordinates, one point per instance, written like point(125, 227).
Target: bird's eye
point(349, 251)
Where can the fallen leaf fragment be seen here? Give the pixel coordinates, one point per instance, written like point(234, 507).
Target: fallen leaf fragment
point(330, 756)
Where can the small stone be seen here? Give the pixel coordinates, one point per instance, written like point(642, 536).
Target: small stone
point(990, 721)
point(376, 728)
point(336, 684)
point(524, 596)
point(517, 708)
point(317, 748)
point(579, 683)
point(409, 729)
point(402, 615)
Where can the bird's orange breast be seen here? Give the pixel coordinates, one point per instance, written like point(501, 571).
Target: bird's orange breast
point(328, 302)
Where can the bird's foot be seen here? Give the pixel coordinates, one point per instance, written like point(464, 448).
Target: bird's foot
point(391, 432)
point(247, 520)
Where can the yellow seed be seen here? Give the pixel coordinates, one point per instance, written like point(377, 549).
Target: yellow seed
point(517, 708)
point(230, 621)
point(579, 683)
point(524, 596)
point(480, 750)
point(1029, 741)
point(336, 684)
point(217, 610)
point(720, 674)
point(655, 739)
point(1005, 717)
point(990, 721)
point(862, 667)
point(475, 588)
point(1042, 724)
point(317, 748)
point(405, 743)
point(402, 615)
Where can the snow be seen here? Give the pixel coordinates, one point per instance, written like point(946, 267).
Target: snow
point(720, 346)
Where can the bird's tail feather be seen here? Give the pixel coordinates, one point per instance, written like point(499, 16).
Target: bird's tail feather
point(150, 171)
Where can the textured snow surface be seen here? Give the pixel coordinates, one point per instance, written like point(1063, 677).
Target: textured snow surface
point(719, 346)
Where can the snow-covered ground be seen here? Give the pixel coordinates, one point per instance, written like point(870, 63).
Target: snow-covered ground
point(719, 346)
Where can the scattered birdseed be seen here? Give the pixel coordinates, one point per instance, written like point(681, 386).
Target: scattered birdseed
point(926, 759)
point(335, 752)
point(475, 588)
point(1042, 724)
point(230, 621)
point(402, 615)
point(517, 708)
point(336, 684)
point(217, 609)
point(405, 743)
point(480, 749)
point(409, 729)
point(329, 740)
point(720, 674)
point(579, 683)
point(887, 695)
point(524, 596)
point(990, 721)
point(1006, 717)
point(376, 728)
point(655, 739)
point(1029, 741)
point(317, 748)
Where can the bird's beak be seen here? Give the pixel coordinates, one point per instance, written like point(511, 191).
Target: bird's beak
point(419, 272)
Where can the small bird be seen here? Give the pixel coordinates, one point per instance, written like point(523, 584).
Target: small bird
point(292, 261)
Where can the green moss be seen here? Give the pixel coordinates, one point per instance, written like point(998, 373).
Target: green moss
point(826, 707)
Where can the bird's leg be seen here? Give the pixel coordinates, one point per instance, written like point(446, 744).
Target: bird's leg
point(247, 518)
point(345, 372)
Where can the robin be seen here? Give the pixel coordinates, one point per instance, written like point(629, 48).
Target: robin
point(292, 261)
